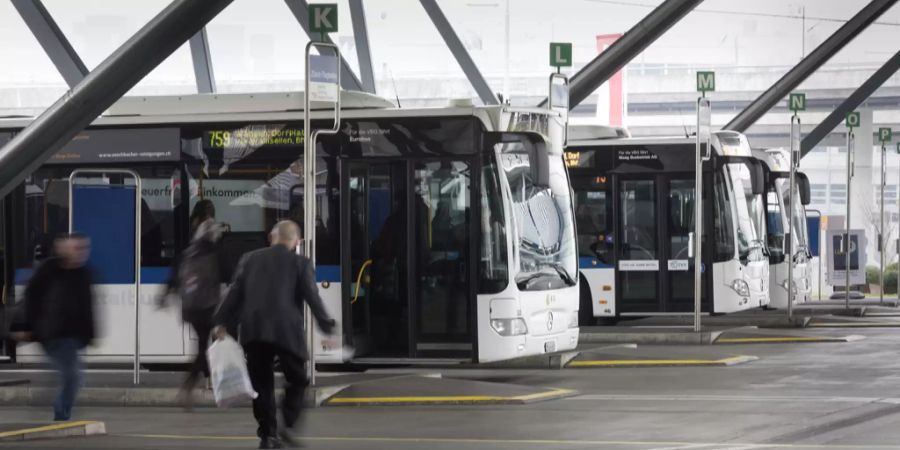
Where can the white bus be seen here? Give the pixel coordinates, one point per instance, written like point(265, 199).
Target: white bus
point(779, 211)
point(442, 233)
point(634, 208)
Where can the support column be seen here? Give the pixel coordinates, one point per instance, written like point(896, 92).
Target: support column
point(863, 209)
point(115, 76)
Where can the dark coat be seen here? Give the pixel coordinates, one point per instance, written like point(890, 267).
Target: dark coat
point(59, 303)
point(265, 301)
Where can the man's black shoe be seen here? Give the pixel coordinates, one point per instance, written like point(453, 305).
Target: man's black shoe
point(270, 442)
point(289, 439)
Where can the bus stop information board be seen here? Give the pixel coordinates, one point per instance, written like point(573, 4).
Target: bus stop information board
point(837, 259)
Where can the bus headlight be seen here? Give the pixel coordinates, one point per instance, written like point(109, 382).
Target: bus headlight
point(509, 327)
point(573, 320)
point(741, 287)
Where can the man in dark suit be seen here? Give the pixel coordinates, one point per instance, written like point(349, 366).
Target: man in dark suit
point(265, 304)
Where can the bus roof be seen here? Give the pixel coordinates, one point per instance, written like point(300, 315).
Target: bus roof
point(271, 106)
point(725, 143)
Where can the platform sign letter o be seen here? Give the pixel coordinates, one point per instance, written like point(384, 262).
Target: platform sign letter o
point(852, 119)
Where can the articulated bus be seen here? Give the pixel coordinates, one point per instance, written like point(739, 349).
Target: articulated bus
point(779, 212)
point(634, 209)
point(442, 233)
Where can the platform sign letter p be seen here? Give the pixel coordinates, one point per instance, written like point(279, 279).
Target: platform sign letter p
point(884, 135)
point(323, 18)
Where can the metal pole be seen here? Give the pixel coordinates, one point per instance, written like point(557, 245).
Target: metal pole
point(794, 161)
point(309, 180)
point(808, 65)
point(881, 226)
point(850, 144)
point(698, 215)
point(102, 87)
point(137, 250)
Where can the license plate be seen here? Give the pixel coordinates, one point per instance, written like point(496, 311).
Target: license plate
point(549, 346)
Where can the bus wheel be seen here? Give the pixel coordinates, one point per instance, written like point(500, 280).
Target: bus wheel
point(586, 308)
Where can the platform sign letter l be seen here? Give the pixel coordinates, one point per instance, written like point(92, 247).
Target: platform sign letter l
point(323, 18)
point(560, 54)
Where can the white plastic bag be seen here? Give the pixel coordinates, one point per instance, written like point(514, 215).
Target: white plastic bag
point(228, 371)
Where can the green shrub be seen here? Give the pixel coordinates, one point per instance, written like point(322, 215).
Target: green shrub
point(890, 277)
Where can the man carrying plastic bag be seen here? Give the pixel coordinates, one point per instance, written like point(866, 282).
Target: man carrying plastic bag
point(228, 372)
point(265, 305)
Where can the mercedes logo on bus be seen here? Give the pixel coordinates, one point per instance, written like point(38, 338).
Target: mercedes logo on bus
point(549, 320)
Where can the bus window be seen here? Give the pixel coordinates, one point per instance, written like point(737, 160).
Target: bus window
point(723, 229)
point(493, 270)
point(681, 217)
point(592, 215)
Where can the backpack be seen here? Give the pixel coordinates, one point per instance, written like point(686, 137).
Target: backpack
point(198, 278)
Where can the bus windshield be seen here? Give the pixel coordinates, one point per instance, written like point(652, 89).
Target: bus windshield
point(798, 214)
point(544, 222)
point(750, 247)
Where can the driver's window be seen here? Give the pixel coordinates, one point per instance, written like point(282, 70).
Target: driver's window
point(638, 205)
point(592, 213)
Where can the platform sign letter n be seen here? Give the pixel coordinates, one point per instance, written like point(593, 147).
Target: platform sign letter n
point(797, 102)
point(706, 81)
point(323, 18)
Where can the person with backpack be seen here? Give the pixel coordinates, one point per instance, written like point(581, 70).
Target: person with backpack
point(197, 279)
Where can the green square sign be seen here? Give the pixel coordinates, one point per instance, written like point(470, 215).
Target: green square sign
point(852, 119)
point(561, 54)
point(797, 102)
point(706, 81)
point(323, 17)
point(885, 134)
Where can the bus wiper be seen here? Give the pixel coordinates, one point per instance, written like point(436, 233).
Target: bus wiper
point(563, 273)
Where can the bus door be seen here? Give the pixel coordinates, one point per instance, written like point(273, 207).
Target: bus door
point(677, 219)
point(409, 258)
point(638, 261)
point(655, 219)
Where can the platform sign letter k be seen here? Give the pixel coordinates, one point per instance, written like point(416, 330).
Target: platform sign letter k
point(323, 18)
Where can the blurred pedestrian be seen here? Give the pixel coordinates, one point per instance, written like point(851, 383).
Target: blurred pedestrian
point(59, 313)
point(197, 277)
point(204, 210)
point(266, 303)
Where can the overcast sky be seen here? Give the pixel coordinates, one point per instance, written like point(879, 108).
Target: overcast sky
point(260, 39)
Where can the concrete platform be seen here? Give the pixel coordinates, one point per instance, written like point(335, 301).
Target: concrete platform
point(864, 321)
point(417, 390)
point(160, 389)
point(28, 431)
point(770, 336)
point(675, 335)
point(656, 357)
point(755, 317)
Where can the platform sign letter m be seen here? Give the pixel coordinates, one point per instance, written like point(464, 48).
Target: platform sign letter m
point(323, 18)
point(706, 81)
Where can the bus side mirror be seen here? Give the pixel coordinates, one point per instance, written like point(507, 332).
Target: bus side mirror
point(539, 158)
point(757, 179)
point(803, 187)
